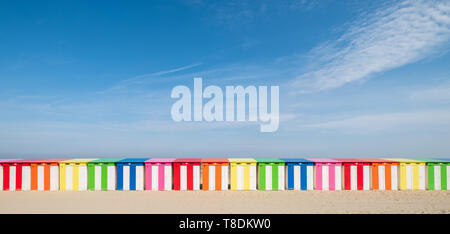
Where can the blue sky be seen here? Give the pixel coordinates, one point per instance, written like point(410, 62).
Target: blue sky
point(93, 78)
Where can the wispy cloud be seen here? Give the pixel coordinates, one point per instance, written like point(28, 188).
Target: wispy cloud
point(390, 37)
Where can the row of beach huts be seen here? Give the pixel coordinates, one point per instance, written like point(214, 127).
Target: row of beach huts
point(224, 174)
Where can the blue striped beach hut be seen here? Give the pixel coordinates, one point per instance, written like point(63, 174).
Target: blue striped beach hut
point(130, 173)
point(300, 173)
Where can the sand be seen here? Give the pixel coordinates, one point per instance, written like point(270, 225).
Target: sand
point(226, 202)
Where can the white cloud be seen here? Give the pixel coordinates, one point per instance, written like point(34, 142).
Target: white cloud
point(389, 38)
point(436, 94)
point(389, 121)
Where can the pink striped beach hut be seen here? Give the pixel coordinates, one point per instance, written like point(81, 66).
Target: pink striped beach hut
point(158, 174)
point(328, 173)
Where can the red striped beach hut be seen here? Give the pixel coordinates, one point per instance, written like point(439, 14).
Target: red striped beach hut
point(356, 173)
point(186, 174)
point(8, 174)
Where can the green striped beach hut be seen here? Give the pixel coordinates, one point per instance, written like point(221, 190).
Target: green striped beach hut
point(438, 173)
point(102, 174)
point(271, 173)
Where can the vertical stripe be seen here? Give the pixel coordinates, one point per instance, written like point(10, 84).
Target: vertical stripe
point(381, 179)
point(111, 177)
point(168, 177)
point(76, 177)
point(224, 177)
point(319, 176)
point(139, 177)
point(12, 178)
point(183, 176)
point(376, 176)
point(69, 177)
point(347, 177)
point(177, 176)
point(154, 177)
point(310, 177)
point(274, 176)
point(409, 177)
point(431, 177)
point(26, 178)
point(190, 176)
point(54, 178)
point(421, 176)
point(297, 177)
point(98, 177)
point(41, 179)
point(366, 177)
point(205, 176)
point(47, 178)
point(353, 178)
point(394, 177)
point(104, 182)
point(161, 176)
point(269, 178)
point(196, 177)
point(359, 177)
point(388, 177)
point(218, 177)
point(119, 177)
point(91, 176)
point(211, 177)
point(302, 177)
point(403, 179)
point(82, 178)
point(233, 176)
point(415, 176)
point(437, 177)
point(19, 177)
point(34, 176)
point(253, 177)
point(443, 176)
point(332, 177)
point(126, 177)
point(281, 177)
point(1, 177)
point(239, 177)
point(448, 177)
point(338, 178)
point(148, 176)
point(262, 177)
point(325, 178)
point(133, 176)
point(62, 179)
point(246, 177)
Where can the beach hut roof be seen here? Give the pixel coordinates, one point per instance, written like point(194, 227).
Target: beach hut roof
point(349, 160)
point(42, 160)
point(268, 160)
point(214, 160)
point(8, 160)
point(79, 160)
point(430, 160)
point(241, 160)
point(323, 160)
point(106, 160)
point(133, 160)
point(403, 160)
point(375, 160)
point(184, 160)
point(295, 160)
point(161, 160)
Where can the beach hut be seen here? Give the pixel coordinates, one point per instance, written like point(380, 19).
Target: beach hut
point(412, 173)
point(215, 173)
point(300, 173)
point(186, 174)
point(9, 171)
point(438, 173)
point(356, 173)
point(271, 173)
point(73, 174)
point(45, 174)
point(243, 173)
point(384, 174)
point(328, 173)
point(158, 174)
point(102, 174)
point(130, 173)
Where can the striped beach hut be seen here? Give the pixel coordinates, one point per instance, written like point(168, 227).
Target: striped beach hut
point(356, 173)
point(271, 173)
point(158, 174)
point(215, 174)
point(186, 174)
point(438, 173)
point(384, 173)
point(300, 173)
point(328, 173)
point(130, 173)
point(9, 172)
point(412, 173)
point(102, 174)
point(74, 174)
point(20, 175)
point(45, 174)
point(242, 173)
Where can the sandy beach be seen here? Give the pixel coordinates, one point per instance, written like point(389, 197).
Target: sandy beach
point(228, 202)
